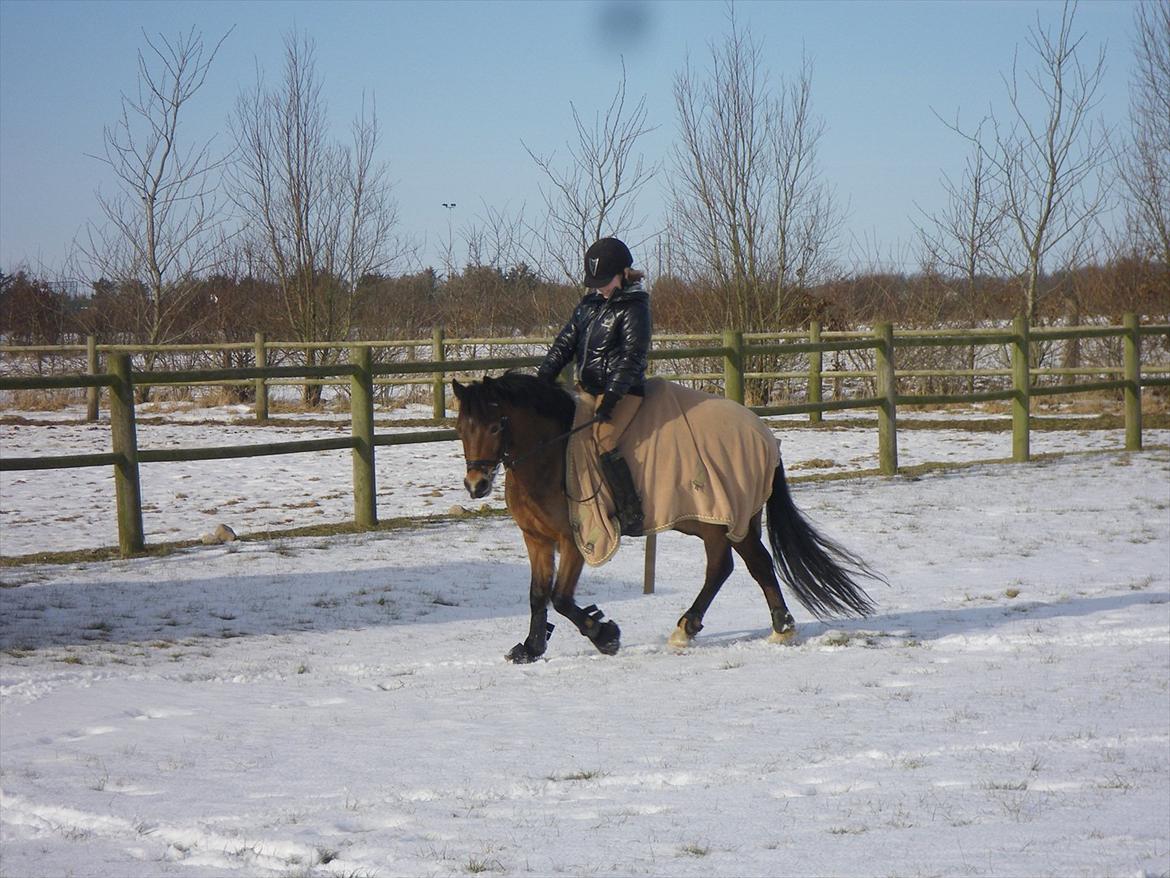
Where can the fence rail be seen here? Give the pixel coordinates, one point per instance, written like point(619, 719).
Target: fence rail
point(734, 348)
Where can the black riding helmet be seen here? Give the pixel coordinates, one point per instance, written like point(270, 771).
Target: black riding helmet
point(603, 260)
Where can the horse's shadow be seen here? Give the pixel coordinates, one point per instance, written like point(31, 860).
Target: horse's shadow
point(928, 625)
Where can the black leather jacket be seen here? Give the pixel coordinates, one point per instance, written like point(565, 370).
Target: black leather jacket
point(609, 341)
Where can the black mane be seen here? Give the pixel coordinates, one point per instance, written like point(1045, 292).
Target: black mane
point(522, 390)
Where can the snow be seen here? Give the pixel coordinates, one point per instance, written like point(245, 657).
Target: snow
point(340, 706)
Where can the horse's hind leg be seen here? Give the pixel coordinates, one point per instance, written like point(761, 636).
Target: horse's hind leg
point(590, 621)
point(759, 564)
point(719, 567)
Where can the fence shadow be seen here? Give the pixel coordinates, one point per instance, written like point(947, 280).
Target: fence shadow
point(80, 613)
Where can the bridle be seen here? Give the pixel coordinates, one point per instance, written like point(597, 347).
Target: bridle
point(505, 457)
point(503, 429)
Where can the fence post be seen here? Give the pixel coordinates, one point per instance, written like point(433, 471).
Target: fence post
point(1133, 384)
point(361, 402)
point(439, 385)
point(733, 365)
point(1021, 384)
point(815, 363)
point(887, 391)
point(650, 563)
point(261, 384)
point(124, 437)
point(92, 394)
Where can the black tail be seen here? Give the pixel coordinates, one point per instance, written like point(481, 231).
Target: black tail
point(820, 572)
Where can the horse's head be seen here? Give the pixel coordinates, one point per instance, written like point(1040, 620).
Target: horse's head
point(505, 421)
point(483, 427)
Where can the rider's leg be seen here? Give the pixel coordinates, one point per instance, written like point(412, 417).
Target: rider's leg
point(615, 469)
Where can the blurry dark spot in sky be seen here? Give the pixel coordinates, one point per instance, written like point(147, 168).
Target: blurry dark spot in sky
point(624, 24)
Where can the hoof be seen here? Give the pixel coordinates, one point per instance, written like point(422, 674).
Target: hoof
point(782, 636)
point(609, 638)
point(783, 627)
point(521, 655)
point(679, 639)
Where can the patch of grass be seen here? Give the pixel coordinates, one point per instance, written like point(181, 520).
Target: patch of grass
point(695, 850)
point(326, 856)
point(1115, 782)
point(584, 774)
point(476, 866)
point(816, 463)
point(1013, 786)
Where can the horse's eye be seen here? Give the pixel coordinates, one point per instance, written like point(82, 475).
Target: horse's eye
point(494, 429)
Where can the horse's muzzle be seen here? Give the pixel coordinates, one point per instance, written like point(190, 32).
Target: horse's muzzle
point(478, 484)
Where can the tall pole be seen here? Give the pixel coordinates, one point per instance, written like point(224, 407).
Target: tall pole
point(450, 206)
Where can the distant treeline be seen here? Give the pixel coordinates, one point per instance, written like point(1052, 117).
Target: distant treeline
point(482, 301)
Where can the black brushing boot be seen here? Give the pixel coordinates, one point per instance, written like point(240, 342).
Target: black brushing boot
point(629, 506)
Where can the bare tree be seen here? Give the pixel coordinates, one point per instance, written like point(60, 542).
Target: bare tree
point(162, 226)
point(594, 193)
point(750, 212)
point(1145, 167)
point(808, 217)
point(1049, 165)
point(962, 240)
point(719, 188)
point(319, 216)
point(495, 238)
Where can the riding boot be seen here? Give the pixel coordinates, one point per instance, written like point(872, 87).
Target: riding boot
point(625, 498)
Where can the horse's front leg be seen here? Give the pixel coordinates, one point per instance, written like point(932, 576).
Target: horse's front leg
point(541, 561)
point(590, 621)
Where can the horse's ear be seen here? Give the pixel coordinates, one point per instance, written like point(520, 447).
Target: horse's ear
point(487, 379)
point(458, 388)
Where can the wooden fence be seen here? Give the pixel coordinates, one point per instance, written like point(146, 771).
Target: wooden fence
point(734, 349)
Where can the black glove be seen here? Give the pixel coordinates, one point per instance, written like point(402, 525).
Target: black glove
point(605, 410)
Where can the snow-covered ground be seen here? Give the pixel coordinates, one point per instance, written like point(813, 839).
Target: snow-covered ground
point(341, 707)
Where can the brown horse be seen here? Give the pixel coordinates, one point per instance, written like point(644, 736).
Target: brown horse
point(521, 423)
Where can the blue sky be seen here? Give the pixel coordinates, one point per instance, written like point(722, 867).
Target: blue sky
point(458, 85)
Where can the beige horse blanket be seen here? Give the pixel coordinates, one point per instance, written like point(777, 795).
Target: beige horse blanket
point(692, 456)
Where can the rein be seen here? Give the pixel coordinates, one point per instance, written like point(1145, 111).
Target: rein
point(516, 461)
point(506, 457)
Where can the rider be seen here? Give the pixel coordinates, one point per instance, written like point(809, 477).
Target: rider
point(608, 337)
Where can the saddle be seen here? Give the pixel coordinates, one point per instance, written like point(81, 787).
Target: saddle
point(692, 456)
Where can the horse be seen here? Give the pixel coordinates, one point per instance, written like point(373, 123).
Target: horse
point(523, 424)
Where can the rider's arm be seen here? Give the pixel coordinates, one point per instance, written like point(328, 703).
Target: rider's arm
point(560, 353)
point(630, 368)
